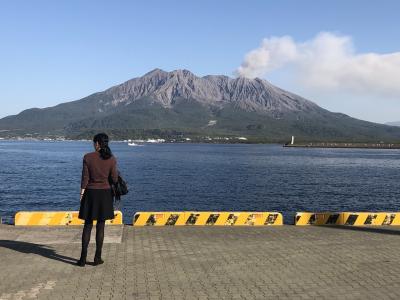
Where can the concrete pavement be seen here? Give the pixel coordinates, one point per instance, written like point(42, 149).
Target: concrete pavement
point(281, 262)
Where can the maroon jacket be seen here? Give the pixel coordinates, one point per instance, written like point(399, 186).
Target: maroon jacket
point(95, 171)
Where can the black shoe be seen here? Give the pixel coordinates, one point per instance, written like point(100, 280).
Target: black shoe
point(81, 262)
point(98, 261)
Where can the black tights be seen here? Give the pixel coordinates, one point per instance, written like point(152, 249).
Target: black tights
point(87, 230)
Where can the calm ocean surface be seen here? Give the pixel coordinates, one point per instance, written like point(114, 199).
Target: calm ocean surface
point(46, 176)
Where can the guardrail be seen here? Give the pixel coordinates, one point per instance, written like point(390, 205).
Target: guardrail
point(347, 218)
point(197, 218)
point(371, 218)
point(57, 218)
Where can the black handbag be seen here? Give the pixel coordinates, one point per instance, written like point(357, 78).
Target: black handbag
point(118, 188)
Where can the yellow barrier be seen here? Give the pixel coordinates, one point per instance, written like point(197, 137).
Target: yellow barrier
point(371, 218)
point(322, 218)
point(207, 218)
point(56, 218)
point(348, 218)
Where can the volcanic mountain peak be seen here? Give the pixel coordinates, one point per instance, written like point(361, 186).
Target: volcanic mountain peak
point(249, 94)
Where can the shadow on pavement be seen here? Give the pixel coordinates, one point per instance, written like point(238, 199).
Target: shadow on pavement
point(38, 249)
point(377, 229)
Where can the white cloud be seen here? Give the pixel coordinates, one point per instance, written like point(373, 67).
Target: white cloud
point(327, 63)
point(273, 54)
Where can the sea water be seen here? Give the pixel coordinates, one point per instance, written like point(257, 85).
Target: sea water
point(45, 175)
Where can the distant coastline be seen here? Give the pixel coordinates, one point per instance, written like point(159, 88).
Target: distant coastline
point(152, 140)
point(219, 140)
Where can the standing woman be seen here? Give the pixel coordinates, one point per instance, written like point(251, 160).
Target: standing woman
point(96, 195)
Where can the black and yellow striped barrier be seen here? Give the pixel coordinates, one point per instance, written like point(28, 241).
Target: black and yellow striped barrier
point(371, 218)
point(320, 218)
point(207, 218)
point(56, 218)
point(348, 218)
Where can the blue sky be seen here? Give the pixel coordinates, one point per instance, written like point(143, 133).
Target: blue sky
point(57, 51)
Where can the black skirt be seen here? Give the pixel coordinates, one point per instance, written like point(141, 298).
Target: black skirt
point(97, 204)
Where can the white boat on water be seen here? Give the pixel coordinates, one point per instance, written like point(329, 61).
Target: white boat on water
point(133, 144)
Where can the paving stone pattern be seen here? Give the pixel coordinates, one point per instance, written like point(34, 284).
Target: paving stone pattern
point(283, 262)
